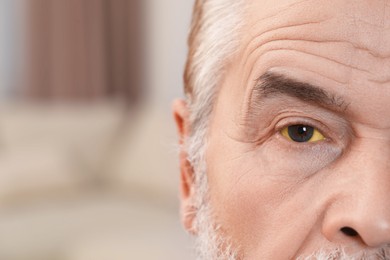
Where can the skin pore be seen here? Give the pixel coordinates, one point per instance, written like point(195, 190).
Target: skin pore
point(275, 198)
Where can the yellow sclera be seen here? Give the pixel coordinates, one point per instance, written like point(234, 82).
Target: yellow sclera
point(316, 136)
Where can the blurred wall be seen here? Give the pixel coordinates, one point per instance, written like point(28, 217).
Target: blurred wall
point(12, 42)
point(8, 35)
point(90, 180)
point(168, 26)
point(84, 50)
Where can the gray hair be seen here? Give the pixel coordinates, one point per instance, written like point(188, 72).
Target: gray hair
point(212, 41)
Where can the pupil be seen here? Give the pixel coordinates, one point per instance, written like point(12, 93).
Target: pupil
point(300, 133)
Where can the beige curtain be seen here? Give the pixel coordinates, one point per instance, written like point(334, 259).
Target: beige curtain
point(84, 49)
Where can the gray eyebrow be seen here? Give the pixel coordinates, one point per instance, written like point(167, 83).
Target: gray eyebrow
point(272, 85)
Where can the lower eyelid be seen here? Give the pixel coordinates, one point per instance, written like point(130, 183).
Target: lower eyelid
point(303, 146)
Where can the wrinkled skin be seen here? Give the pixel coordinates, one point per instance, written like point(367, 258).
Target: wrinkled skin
point(276, 198)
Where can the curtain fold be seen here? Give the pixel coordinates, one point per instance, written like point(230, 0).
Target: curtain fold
point(84, 50)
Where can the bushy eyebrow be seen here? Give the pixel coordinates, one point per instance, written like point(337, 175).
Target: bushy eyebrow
point(273, 85)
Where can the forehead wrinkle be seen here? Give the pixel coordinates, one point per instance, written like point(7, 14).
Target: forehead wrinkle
point(347, 71)
point(303, 47)
point(277, 23)
point(371, 24)
point(281, 11)
point(288, 60)
point(262, 39)
point(283, 33)
point(376, 14)
point(377, 67)
point(271, 23)
point(385, 80)
point(376, 42)
point(270, 35)
point(380, 70)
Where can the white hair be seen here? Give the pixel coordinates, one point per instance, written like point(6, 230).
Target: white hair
point(213, 40)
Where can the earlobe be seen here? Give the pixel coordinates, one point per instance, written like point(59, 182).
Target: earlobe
point(187, 187)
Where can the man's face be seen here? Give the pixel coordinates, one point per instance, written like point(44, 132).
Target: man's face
point(298, 154)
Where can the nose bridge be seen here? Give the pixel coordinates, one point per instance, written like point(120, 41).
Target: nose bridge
point(361, 210)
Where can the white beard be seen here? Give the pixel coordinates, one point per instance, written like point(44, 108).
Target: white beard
point(376, 254)
point(210, 244)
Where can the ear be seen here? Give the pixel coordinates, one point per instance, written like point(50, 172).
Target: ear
point(187, 185)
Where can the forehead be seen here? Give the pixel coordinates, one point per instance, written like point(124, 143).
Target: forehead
point(363, 23)
point(339, 45)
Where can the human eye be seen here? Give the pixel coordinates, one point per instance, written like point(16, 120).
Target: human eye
point(302, 133)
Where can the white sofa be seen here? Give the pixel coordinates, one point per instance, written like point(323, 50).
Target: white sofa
point(88, 182)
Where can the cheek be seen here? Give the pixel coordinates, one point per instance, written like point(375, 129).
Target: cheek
point(246, 205)
point(255, 191)
point(287, 161)
point(245, 193)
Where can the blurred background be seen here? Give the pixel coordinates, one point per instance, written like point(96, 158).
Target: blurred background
point(88, 167)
